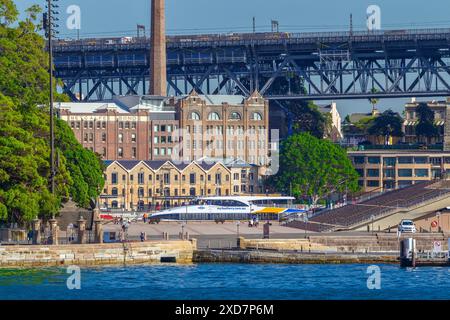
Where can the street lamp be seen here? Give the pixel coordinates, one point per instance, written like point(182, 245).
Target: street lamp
point(372, 217)
point(237, 228)
point(50, 26)
point(305, 220)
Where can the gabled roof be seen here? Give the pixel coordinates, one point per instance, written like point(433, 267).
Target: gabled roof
point(156, 164)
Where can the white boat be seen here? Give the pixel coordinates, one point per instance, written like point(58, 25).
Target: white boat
point(229, 208)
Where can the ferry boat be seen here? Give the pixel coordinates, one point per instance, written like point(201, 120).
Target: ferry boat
point(230, 208)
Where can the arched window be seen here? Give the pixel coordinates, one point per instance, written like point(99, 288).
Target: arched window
point(114, 204)
point(195, 116)
point(213, 116)
point(235, 116)
point(257, 116)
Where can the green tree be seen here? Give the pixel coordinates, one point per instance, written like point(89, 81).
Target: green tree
point(387, 124)
point(425, 129)
point(308, 118)
point(25, 129)
point(314, 168)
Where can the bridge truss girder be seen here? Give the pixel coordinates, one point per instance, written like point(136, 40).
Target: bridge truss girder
point(281, 77)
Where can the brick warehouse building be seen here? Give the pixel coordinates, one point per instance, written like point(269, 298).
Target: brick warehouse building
point(159, 128)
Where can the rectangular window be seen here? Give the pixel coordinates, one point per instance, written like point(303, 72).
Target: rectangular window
point(373, 160)
point(134, 152)
point(192, 178)
point(420, 160)
point(390, 161)
point(405, 160)
point(389, 173)
point(405, 173)
point(141, 178)
point(373, 172)
point(167, 178)
point(114, 178)
point(421, 172)
point(436, 173)
point(436, 161)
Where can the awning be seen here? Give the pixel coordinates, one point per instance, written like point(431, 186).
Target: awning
point(271, 210)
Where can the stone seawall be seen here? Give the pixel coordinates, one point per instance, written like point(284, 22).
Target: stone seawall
point(98, 254)
point(264, 256)
point(379, 242)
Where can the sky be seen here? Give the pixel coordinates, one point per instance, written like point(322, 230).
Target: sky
point(119, 17)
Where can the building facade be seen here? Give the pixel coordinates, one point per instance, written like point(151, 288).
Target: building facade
point(178, 128)
point(382, 170)
point(153, 185)
point(441, 110)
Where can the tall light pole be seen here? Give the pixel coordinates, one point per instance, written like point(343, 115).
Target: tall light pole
point(49, 27)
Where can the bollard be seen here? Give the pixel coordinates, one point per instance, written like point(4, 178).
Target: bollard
point(98, 231)
point(53, 232)
point(81, 231)
point(36, 231)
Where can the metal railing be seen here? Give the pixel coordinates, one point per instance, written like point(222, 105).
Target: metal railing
point(242, 39)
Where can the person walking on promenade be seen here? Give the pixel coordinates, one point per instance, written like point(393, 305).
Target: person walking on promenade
point(145, 218)
point(143, 236)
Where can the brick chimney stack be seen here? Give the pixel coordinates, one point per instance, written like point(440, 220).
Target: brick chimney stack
point(158, 60)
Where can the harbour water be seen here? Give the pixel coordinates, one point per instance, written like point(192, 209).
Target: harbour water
point(227, 282)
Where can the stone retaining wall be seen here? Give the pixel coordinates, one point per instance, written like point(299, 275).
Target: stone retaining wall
point(381, 242)
point(283, 244)
point(98, 254)
point(253, 256)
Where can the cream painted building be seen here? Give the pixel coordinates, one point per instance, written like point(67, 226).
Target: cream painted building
point(143, 185)
point(383, 170)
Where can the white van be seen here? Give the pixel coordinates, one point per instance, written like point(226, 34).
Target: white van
point(407, 226)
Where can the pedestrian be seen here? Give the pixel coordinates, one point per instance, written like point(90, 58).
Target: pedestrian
point(142, 236)
point(145, 218)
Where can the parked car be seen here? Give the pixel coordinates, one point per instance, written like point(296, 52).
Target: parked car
point(407, 226)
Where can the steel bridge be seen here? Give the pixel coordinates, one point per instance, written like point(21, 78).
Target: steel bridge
point(281, 66)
